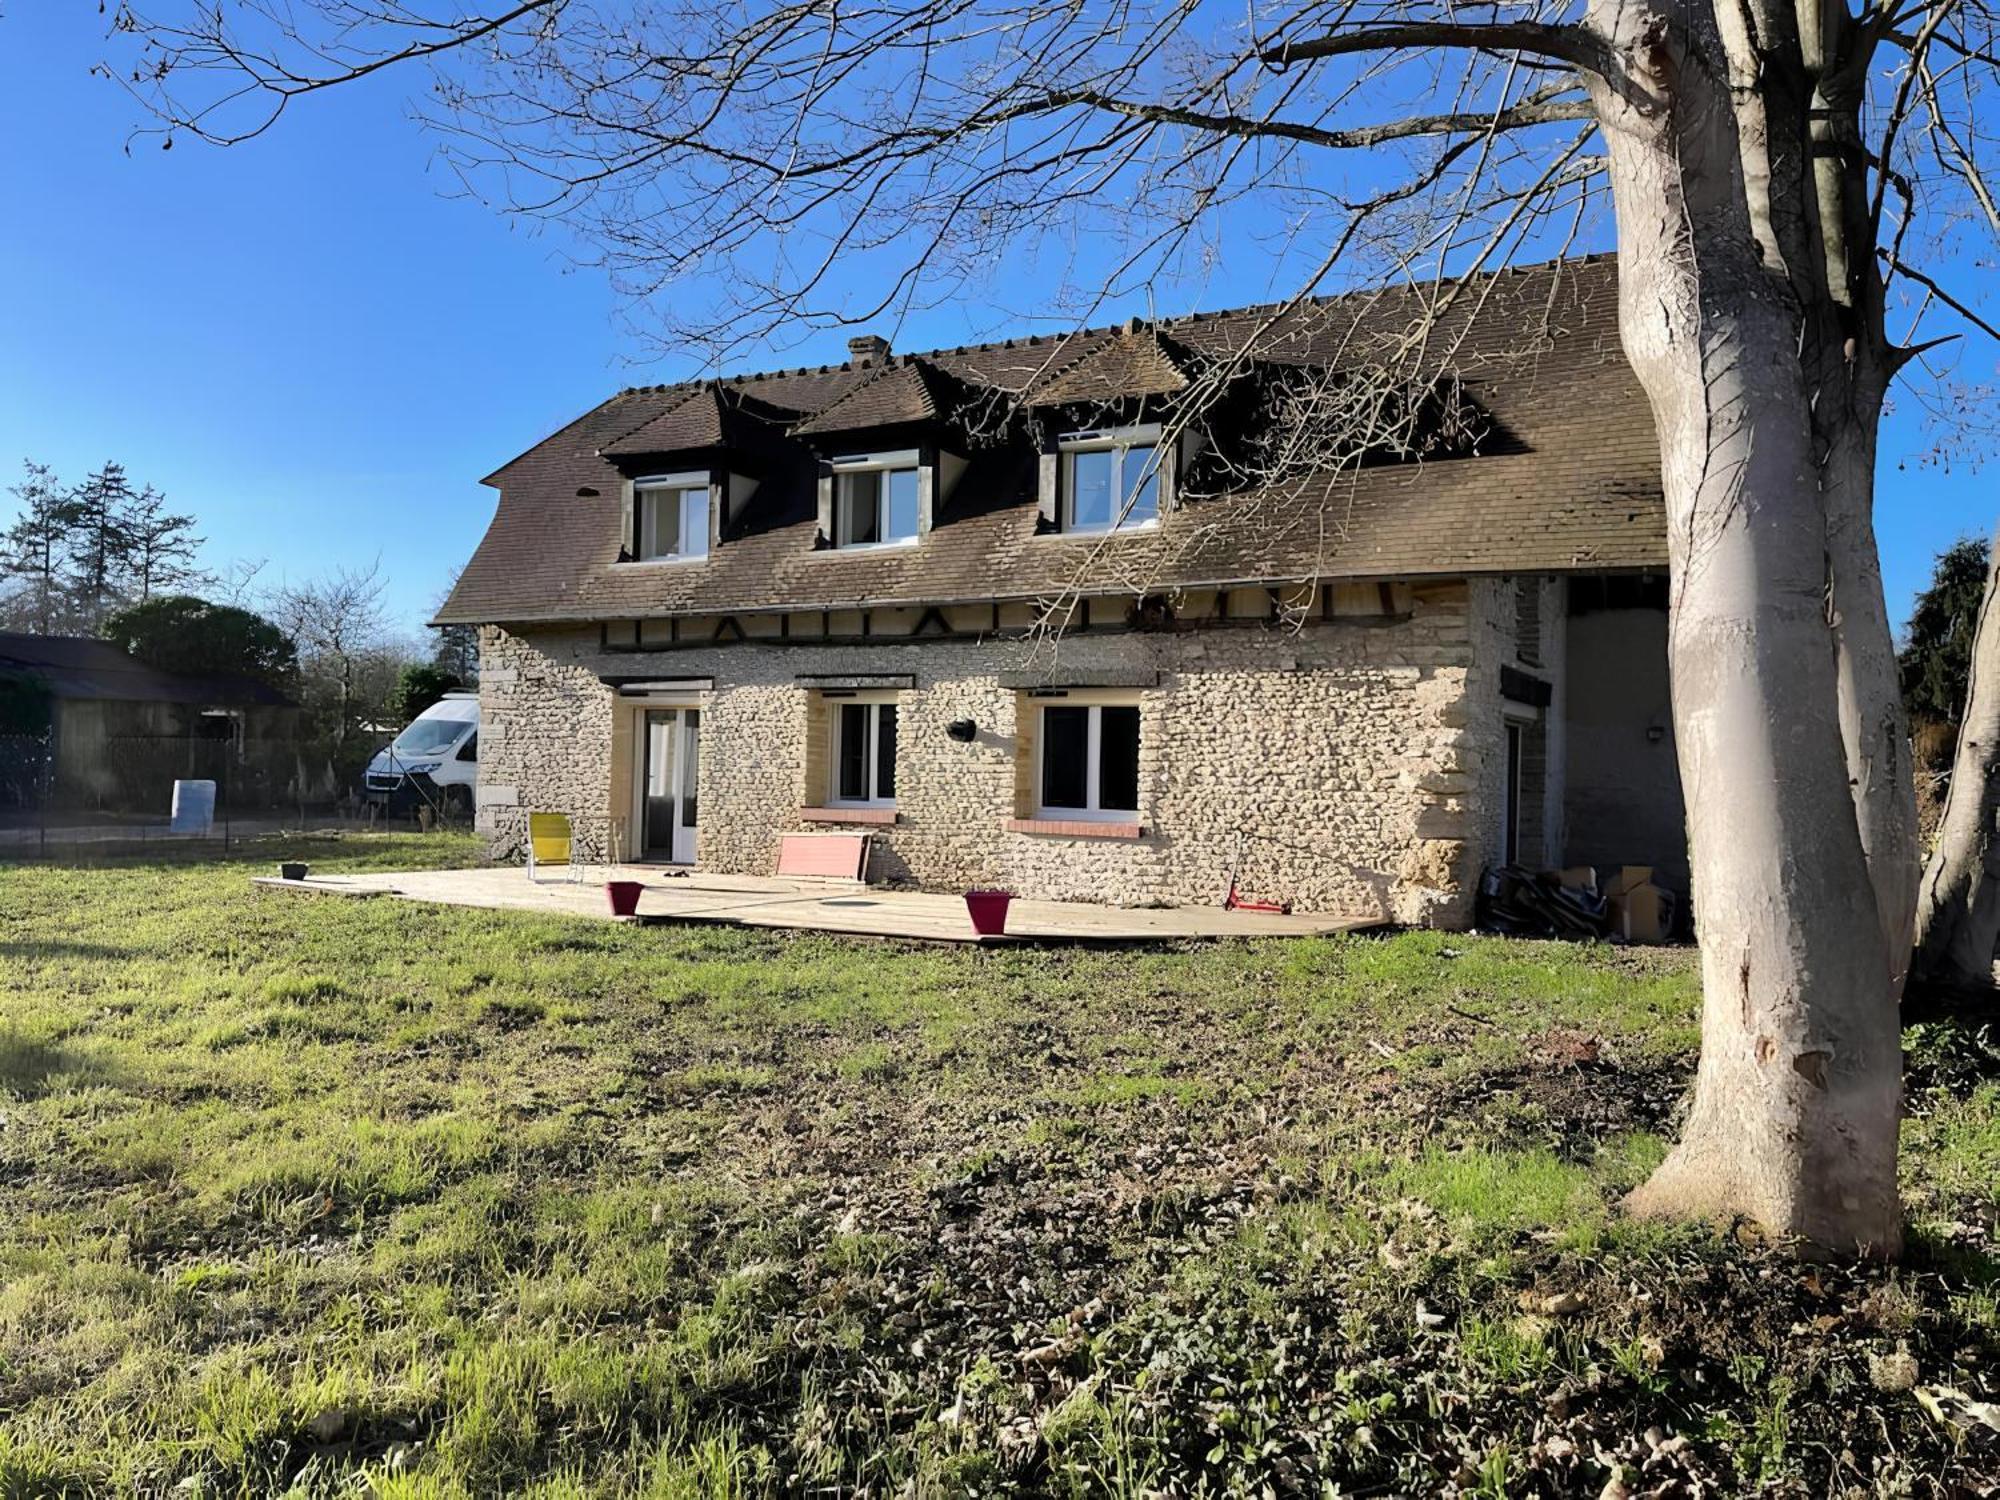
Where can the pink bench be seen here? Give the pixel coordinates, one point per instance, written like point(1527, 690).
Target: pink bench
point(824, 856)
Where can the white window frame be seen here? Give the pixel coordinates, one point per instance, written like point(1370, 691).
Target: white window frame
point(685, 485)
point(871, 759)
point(877, 463)
point(1118, 441)
point(1093, 760)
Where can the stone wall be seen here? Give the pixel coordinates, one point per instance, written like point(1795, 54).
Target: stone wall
point(1356, 759)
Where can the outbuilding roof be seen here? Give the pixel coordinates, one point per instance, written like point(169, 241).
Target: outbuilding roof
point(1573, 484)
point(72, 666)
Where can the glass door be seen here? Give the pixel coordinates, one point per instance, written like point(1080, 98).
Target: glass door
point(688, 757)
point(670, 769)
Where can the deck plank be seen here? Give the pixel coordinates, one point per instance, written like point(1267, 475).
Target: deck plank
point(819, 906)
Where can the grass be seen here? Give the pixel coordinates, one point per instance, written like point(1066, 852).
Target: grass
point(325, 1197)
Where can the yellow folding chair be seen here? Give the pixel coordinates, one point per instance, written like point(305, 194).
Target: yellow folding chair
point(551, 841)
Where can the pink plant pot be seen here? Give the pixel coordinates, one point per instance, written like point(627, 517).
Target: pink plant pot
point(988, 910)
point(624, 896)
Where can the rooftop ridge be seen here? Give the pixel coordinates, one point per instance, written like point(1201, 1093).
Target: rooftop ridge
point(1591, 258)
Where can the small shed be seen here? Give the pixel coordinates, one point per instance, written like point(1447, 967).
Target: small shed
point(120, 732)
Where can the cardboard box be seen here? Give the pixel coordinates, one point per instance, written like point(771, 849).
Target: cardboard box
point(1643, 914)
point(1628, 878)
point(1577, 878)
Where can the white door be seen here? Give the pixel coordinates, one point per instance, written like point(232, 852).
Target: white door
point(670, 772)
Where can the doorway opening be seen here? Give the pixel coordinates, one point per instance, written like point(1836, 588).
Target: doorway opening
point(667, 817)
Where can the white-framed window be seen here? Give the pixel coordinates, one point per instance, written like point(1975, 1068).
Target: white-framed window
point(875, 499)
point(670, 517)
point(1088, 761)
point(863, 763)
point(1111, 479)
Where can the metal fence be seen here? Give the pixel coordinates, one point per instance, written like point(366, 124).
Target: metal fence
point(27, 768)
point(68, 805)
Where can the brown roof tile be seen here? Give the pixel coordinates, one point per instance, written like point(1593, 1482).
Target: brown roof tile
point(907, 390)
point(689, 424)
point(1132, 362)
point(1575, 486)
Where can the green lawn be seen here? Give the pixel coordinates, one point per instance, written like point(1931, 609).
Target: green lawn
point(352, 1197)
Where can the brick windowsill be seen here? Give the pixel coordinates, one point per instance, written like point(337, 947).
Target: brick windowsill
point(880, 816)
point(1075, 828)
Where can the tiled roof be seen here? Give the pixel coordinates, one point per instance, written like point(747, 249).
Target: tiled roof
point(705, 417)
point(690, 424)
point(904, 391)
point(1132, 362)
point(1574, 486)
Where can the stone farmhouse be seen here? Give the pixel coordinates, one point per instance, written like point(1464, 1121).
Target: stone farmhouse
point(1103, 616)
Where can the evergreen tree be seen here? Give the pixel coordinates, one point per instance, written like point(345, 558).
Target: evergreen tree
point(190, 636)
point(1937, 648)
point(418, 686)
point(34, 552)
point(457, 649)
point(161, 546)
point(101, 544)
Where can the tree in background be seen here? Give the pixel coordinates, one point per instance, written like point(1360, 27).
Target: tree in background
point(161, 547)
point(100, 544)
point(1936, 657)
point(76, 553)
point(338, 625)
point(418, 686)
point(34, 552)
point(457, 648)
point(1958, 905)
point(179, 633)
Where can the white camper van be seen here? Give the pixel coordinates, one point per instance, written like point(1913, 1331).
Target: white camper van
point(435, 760)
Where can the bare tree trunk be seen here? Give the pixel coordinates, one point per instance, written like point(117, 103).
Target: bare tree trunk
point(1797, 1097)
point(1874, 725)
point(1958, 916)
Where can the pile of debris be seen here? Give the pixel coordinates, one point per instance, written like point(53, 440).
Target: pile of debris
point(1627, 907)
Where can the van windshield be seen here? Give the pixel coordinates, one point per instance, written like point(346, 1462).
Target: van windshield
point(429, 736)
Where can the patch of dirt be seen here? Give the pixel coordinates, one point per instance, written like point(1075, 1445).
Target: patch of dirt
point(1572, 1097)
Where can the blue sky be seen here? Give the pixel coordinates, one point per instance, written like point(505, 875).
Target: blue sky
point(311, 346)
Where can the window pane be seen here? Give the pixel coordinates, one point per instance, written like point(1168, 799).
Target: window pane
point(860, 495)
point(658, 523)
point(902, 504)
point(694, 521)
point(1141, 478)
point(885, 751)
point(853, 753)
point(1118, 760)
point(1090, 489)
point(659, 834)
point(1065, 756)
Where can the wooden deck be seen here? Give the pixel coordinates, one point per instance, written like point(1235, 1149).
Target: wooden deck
point(818, 906)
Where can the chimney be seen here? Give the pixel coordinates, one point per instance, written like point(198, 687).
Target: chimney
point(864, 347)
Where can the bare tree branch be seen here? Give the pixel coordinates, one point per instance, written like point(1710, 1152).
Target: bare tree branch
point(1564, 43)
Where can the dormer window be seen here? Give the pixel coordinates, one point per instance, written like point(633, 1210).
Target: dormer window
point(875, 500)
point(1110, 479)
point(670, 517)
